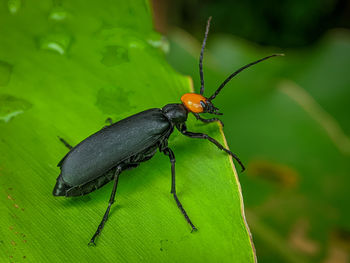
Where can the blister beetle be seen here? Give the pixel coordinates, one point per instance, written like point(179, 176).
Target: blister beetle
point(123, 145)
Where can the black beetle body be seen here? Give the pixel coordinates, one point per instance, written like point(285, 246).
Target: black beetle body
point(89, 165)
point(124, 145)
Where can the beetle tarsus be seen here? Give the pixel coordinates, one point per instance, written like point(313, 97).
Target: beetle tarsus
point(179, 205)
point(92, 243)
point(111, 201)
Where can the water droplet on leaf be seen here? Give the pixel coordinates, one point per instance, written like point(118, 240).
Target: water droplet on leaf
point(160, 42)
point(14, 6)
point(110, 100)
point(114, 55)
point(11, 107)
point(58, 14)
point(58, 42)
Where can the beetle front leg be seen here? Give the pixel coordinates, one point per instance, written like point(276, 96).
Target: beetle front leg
point(169, 152)
point(111, 201)
point(198, 117)
point(183, 130)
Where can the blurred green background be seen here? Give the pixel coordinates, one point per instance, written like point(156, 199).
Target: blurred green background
point(287, 118)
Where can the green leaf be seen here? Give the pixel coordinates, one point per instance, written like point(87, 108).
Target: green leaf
point(66, 66)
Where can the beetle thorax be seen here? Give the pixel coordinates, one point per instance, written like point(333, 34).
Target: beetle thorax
point(176, 113)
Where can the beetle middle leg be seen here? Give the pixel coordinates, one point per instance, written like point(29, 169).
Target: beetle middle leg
point(111, 201)
point(170, 153)
point(183, 130)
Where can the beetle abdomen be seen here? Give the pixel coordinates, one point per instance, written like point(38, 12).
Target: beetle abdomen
point(92, 185)
point(64, 189)
point(113, 145)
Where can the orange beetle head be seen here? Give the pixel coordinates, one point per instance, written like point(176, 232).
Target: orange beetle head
point(197, 103)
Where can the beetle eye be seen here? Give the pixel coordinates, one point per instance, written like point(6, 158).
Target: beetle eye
point(203, 104)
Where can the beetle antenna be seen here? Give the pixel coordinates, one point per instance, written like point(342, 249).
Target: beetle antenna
point(201, 56)
point(238, 71)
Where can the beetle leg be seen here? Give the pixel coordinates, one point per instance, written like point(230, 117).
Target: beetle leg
point(207, 120)
point(169, 152)
point(111, 201)
point(183, 130)
point(65, 143)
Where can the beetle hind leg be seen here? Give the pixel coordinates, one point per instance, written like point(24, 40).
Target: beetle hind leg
point(169, 152)
point(111, 201)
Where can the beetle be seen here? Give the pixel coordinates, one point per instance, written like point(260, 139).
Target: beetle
point(102, 157)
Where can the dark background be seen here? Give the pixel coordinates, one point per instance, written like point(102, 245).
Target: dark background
point(291, 23)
